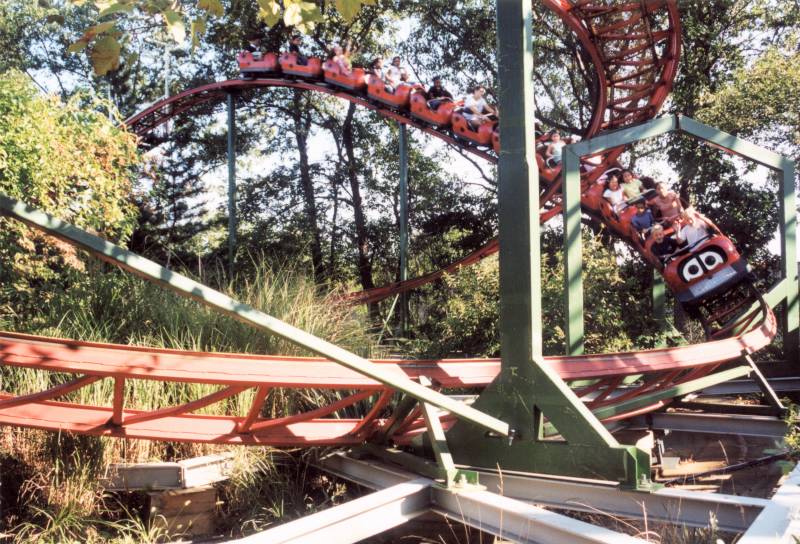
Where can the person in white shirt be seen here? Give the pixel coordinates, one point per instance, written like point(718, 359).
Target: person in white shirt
point(392, 75)
point(614, 193)
point(476, 110)
point(693, 229)
point(554, 150)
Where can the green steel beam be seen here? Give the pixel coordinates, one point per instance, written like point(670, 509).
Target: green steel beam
point(659, 300)
point(788, 291)
point(189, 288)
point(732, 144)
point(609, 140)
point(231, 182)
point(527, 390)
point(403, 197)
point(438, 440)
point(573, 252)
point(789, 265)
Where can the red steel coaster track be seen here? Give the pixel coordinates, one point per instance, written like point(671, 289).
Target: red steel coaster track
point(635, 47)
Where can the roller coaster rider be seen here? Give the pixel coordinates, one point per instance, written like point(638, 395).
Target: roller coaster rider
point(437, 94)
point(476, 109)
point(254, 47)
point(294, 47)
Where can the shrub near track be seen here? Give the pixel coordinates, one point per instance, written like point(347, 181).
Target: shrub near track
point(68, 159)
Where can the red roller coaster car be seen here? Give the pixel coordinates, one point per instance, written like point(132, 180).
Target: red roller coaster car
point(482, 136)
point(440, 117)
point(248, 64)
point(312, 69)
point(400, 98)
point(355, 80)
point(705, 269)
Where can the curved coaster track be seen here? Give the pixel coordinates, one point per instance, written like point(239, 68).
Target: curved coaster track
point(635, 48)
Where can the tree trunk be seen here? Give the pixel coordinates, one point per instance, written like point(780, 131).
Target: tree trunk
point(362, 238)
point(302, 125)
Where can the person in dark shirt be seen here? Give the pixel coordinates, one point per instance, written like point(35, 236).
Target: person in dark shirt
point(437, 94)
point(254, 46)
point(643, 220)
point(294, 47)
point(663, 247)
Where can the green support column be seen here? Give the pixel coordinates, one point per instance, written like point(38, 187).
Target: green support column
point(788, 232)
point(528, 389)
point(403, 224)
point(573, 253)
point(659, 300)
point(231, 182)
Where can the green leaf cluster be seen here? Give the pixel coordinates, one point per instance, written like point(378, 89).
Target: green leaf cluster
point(105, 40)
point(64, 159)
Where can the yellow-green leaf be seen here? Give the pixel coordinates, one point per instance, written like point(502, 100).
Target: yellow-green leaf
point(348, 8)
point(198, 29)
point(175, 25)
point(293, 15)
point(270, 11)
point(118, 7)
point(213, 7)
point(96, 30)
point(311, 12)
point(105, 55)
point(80, 45)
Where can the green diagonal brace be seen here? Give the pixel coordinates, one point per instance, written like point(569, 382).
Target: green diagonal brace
point(188, 288)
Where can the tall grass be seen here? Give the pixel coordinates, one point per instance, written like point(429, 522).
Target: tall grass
point(110, 306)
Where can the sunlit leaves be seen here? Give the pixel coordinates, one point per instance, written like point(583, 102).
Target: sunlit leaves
point(301, 15)
point(102, 40)
point(105, 55)
point(212, 7)
point(117, 7)
point(175, 26)
point(91, 34)
point(197, 30)
point(269, 11)
point(348, 8)
point(64, 159)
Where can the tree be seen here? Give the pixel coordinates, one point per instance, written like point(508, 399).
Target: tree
point(66, 159)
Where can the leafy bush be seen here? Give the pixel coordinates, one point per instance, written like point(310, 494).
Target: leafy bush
point(65, 159)
point(462, 318)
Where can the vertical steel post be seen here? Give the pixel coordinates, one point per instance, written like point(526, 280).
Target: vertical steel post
point(403, 223)
point(528, 390)
point(231, 182)
point(573, 252)
point(659, 300)
point(788, 233)
point(518, 196)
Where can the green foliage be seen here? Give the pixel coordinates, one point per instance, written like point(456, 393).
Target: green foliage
point(462, 318)
point(64, 159)
point(761, 101)
point(106, 39)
